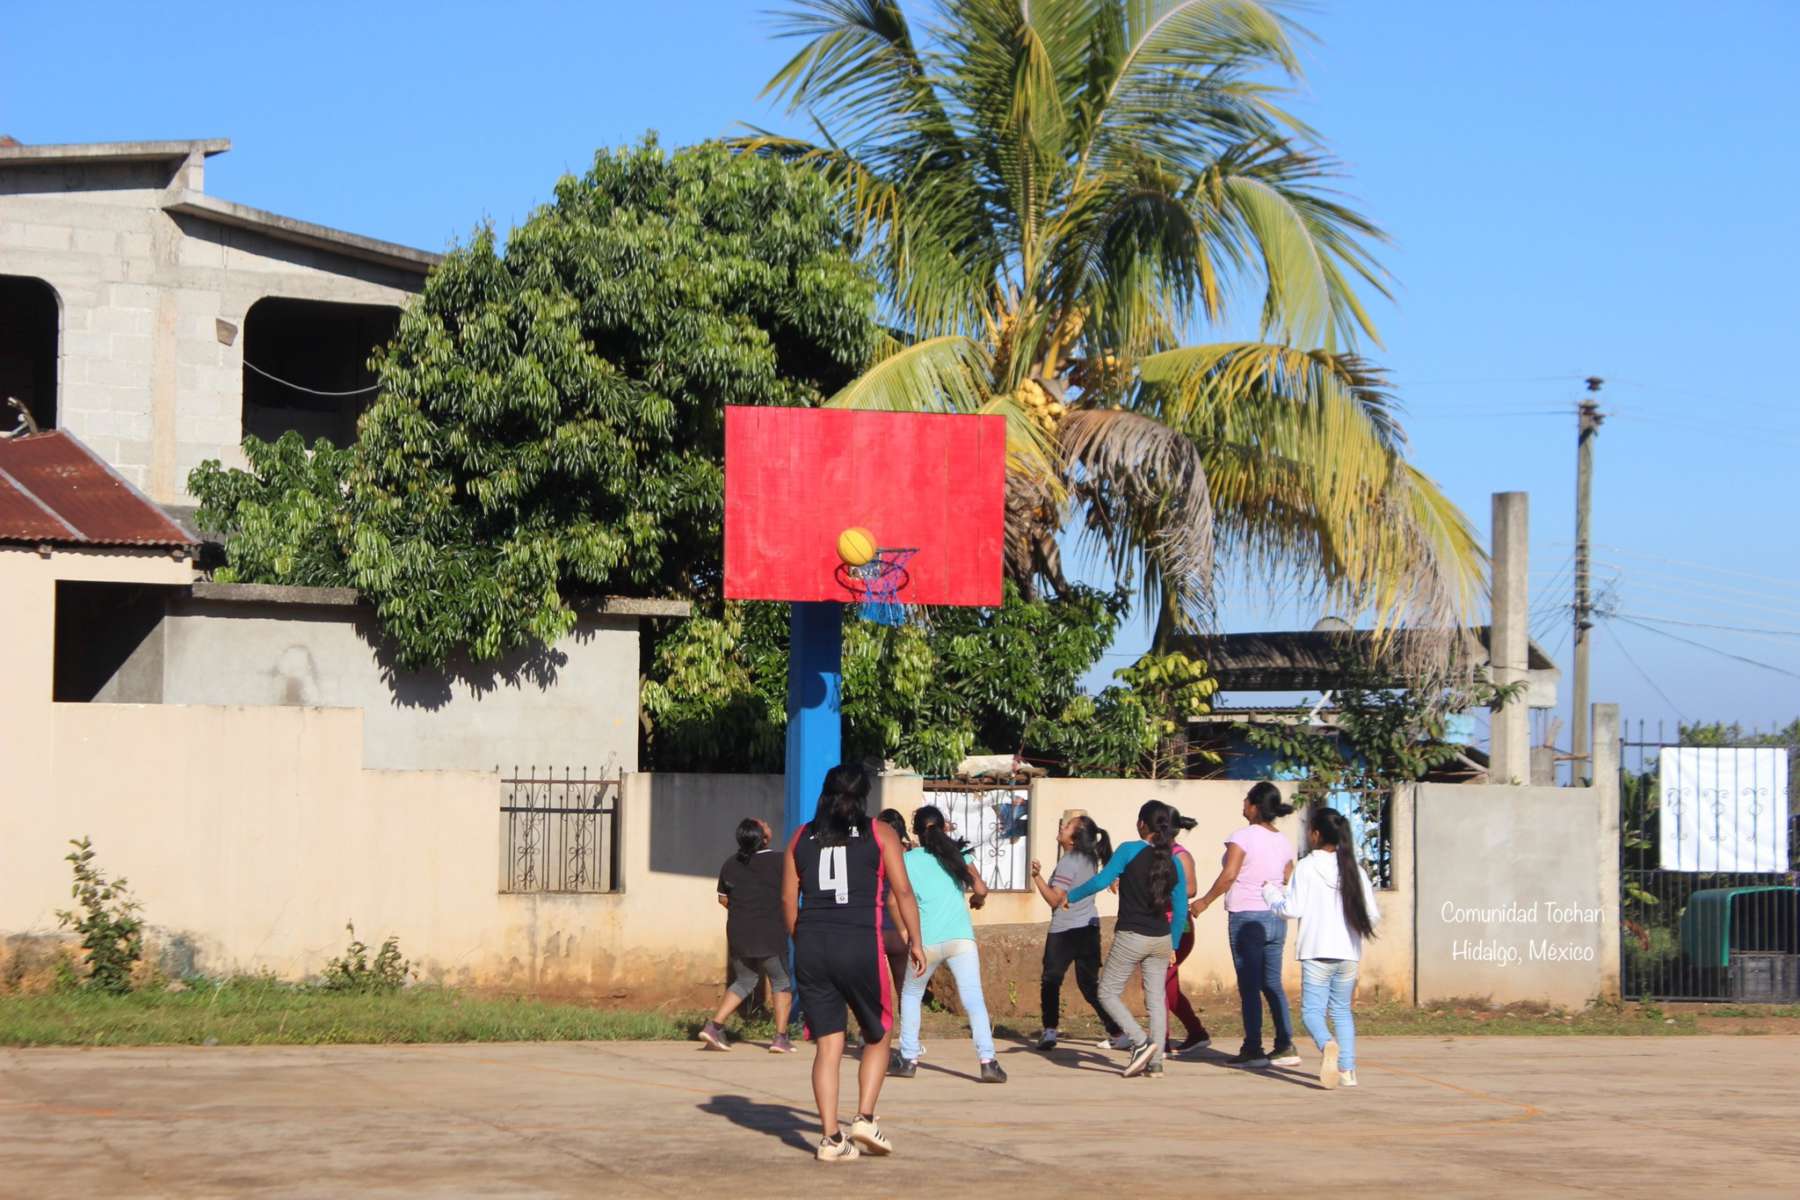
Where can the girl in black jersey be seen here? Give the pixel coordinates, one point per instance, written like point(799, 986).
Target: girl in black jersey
point(838, 872)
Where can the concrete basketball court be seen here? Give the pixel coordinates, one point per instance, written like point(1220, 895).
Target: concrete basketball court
point(1548, 1116)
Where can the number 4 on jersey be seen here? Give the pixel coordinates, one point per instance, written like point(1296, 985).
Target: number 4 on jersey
point(834, 872)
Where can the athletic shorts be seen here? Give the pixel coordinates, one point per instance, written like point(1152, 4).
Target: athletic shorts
point(841, 971)
point(747, 972)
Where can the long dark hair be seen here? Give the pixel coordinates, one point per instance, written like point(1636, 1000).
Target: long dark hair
point(1159, 819)
point(895, 820)
point(1334, 836)
point(1091, 841)
point(929, 832)
point(843, 805)
point(749, 838)
point(1269, 804)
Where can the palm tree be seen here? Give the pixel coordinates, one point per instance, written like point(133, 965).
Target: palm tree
point(1052, 192)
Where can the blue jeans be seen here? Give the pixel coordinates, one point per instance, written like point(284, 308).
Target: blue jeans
point(965, 967)
point(1330, 981)
point(1257, 939)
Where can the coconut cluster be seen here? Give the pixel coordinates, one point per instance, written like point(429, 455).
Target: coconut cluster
point(1045, 412)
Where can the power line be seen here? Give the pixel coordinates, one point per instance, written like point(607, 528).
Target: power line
point(1687, 591)
point(300, 387)
point(1678, 562)
point(1406, 383)
point(1792, 633)
point(1620, 643)
point(1730, 428)
point(1675, 637)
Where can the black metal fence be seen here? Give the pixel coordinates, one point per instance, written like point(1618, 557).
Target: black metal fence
point(560, 835)
point(1700, 932)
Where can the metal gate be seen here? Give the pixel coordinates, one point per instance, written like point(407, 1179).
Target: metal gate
point(995, 820)
point(1696, 925)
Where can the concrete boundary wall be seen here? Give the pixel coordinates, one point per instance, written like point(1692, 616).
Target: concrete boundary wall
point(253, 834)
point(1518, 893)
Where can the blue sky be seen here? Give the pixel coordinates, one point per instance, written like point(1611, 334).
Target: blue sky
point(1572, 189)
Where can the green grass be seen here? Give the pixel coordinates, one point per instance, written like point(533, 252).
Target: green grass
point(1780, 1011)
point(261, 1013)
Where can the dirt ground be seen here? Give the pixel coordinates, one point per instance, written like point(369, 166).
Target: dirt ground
point(1481, 1116)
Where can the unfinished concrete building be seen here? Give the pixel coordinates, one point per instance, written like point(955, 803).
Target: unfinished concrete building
point(160, 324)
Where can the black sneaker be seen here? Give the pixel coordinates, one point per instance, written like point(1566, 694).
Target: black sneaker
point(1195, 1041)
point(991, 1072)
point(903, 1068)
point(1248, 1058)
point(1285, 1055)
point(1140, 1058)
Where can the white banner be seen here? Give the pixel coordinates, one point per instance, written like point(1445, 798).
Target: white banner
point(1723, 809)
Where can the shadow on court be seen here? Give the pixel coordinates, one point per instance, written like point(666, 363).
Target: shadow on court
point(795, 1127)
point(1437, 1117)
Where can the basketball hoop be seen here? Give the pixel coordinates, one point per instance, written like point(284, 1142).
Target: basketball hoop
point(876, 585)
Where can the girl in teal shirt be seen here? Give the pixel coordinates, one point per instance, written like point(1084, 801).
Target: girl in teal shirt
point(941, 874)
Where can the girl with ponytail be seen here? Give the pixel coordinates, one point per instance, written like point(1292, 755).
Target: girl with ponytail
point(941, 872)
point(838, 875)
point(1153, 892)
point(755, 938)
point(1333, 900)
point(1255, 855)
point(1074, 937)
point(1180, 1008)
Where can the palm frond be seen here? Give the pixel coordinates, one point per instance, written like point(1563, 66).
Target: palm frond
point(1148, 508)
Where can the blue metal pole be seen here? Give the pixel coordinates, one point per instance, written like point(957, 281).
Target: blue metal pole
point(815, 730)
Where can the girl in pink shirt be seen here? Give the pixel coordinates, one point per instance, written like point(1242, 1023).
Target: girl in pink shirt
point(1255, 855)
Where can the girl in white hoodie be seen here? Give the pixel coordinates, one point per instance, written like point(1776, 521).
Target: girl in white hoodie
point(1334, 902)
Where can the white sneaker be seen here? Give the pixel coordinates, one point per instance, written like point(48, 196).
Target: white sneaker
point(842, 1149)
point(1346, 1078)
point(1328, 1068)
point(869, 1139)
point(1122, 1042)
point(1047, 1039)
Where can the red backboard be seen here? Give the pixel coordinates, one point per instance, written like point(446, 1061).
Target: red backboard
point(796, 478)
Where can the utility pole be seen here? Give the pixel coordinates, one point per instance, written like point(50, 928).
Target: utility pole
point(1587, 425)
point(1509, 646)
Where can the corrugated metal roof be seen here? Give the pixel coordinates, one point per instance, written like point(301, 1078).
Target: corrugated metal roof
point(54, 489)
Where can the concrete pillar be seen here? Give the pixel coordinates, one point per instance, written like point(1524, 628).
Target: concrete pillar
point(1509, 742)
point(1606, 756)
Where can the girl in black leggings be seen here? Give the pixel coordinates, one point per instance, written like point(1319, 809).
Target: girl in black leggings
point(1074, 937)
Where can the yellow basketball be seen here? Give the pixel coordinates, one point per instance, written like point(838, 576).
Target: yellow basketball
point(856, 546)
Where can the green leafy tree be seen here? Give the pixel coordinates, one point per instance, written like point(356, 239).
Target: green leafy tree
point(1054, 193)
point(1381, 735)
point(1135, 728)
point(550, 421)
point(975, 681)
point(283, 514)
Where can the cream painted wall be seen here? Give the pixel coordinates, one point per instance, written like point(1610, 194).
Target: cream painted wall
point(252, 834)
point(1216, 806)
